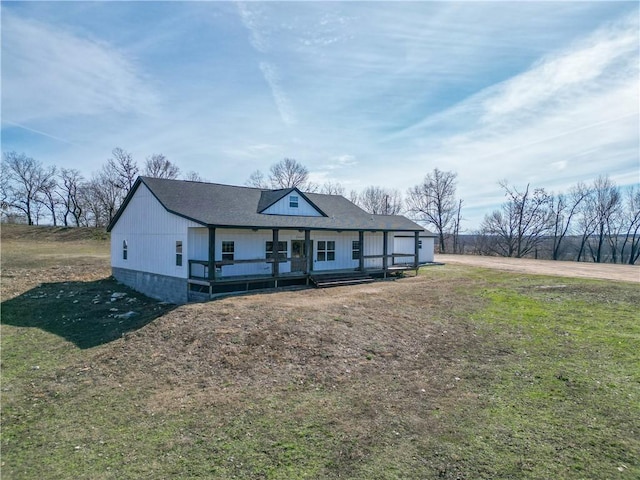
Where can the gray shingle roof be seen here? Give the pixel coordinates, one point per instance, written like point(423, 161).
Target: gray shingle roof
point(231, 206)
point(269, 197)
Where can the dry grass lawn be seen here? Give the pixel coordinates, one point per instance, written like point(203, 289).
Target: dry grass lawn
point(458, 373)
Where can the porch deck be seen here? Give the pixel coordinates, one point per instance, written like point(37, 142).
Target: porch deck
point(203, 289)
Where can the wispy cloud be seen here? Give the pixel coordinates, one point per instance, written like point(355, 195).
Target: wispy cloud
point(52, 73)
point(341, 161)
point(251, 19)
point(574, 69)
point(38, 132)
point(280, 98)
point(363, 94)
point(254, 18)
point(573, 114)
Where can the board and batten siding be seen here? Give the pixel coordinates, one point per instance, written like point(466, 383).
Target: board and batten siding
point(247, 245)
point(406, 244)
point(283, 207)
point(374, 245)
point(151, 234)
point(250, 245)
point(343, 243)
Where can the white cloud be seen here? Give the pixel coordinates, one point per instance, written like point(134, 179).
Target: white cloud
point(256, 151)
point(38, 132)
point(341, 161)
point(52, 73)
point(558, 74)
point(272, 77)
point(575, 114)
point(342, 77)
point(250, 17)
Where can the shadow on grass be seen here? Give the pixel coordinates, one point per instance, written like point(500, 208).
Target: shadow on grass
point(85, 313)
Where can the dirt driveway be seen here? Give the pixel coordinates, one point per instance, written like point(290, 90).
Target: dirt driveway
point(607, 271)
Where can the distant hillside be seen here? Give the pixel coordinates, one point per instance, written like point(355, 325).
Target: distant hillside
point(48, 233)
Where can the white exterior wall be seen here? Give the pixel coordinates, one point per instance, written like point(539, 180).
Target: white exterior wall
point(247, 244)
point(374, 245)
point(426, 252)
point(250, 245)
point(281, 207)
point(343, 242)
point(404, 244)
point(151, 234)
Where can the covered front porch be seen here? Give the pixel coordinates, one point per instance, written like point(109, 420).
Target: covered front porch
point(248, 259)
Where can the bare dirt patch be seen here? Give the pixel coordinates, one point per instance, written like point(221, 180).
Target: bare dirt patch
point(605, 271)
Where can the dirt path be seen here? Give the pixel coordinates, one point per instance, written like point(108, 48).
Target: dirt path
point(607, 271)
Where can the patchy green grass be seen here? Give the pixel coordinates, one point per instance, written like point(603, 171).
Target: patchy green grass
point(459, 373)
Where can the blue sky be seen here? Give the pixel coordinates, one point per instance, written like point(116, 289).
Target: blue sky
point(362, 93)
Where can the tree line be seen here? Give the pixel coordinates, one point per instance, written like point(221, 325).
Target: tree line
point(31, 192)
point(596, 222)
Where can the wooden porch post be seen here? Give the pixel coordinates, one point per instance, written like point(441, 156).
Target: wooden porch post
point(361, 255)
point(416, 260)
point(385, 252)
point(212, 254)
point(276, 265)
point(307, 249)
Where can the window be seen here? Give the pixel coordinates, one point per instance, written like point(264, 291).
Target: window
point(293, 201)
point(124, 249)
point(326, 251)
point(419, 243)
point(282, 250)
point(355, 250)
point(228, 249)
point(179, 253)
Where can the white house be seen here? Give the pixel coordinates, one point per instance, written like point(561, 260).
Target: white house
point(178, 240)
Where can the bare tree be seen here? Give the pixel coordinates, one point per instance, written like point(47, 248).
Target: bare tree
point(5, 192)
point(632, 217)
point(25, 179)
point(288, 173)
point(257, 180)
point(614, 231)
point(125, 169)
point(102, 197)
point(193, 176)
point(434, 201)
point(48, 189)
point(159, 166)
point(380, 201)
point(606, 204)
point(563, 210)
point(586, 222)
point(519, 227)
point(332, 188)
point(69, 186)
point(456, 229)
point(37, 212)
point(92, 214)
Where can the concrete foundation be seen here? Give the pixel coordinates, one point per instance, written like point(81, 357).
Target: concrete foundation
point(160, 287)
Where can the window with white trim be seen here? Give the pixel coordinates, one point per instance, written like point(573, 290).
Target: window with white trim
point(326, 251)
point(293, 201)
point(125, 250)
point(179, 253)
point(282, 250)
point(228, 250)
point(355, 250)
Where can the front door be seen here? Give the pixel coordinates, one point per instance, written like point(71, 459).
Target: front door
point(298, 256)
